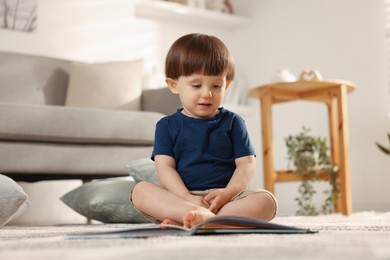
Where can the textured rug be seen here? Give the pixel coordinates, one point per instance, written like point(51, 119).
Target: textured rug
point(364, 235)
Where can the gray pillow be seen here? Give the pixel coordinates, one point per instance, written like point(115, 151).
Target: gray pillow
point(143, 170)
point(106, 200)
point(13, 199)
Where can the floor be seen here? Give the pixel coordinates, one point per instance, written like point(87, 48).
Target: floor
point(364, 235)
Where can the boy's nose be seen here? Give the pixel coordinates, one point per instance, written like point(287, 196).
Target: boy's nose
point(207, 94)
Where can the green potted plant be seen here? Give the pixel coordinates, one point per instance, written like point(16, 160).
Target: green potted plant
point(310, 158)
point(384, 149)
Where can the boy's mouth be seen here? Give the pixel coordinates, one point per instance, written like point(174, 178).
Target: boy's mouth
point(205, 105)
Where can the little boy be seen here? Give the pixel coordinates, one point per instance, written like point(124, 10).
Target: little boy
point(203, 155)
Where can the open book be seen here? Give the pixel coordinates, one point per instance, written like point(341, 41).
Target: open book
point(212, 226)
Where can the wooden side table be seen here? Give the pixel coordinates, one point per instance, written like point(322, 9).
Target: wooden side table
point(331, 92)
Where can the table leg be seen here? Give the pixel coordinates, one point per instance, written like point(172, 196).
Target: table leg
point(344, 174)
point(334, 139)
point(266, 121)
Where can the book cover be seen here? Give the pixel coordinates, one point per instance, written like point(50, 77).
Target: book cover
point(213, 226)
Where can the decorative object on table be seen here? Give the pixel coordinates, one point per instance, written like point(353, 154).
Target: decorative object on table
point(283, 75)
point(20, 15)
point(310, 75)
point(13, 200)
point(310, 157)
point(105, 200)
point(383, 148)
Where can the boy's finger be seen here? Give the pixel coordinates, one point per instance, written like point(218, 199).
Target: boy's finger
point(208, 197)
point(211, 195)
point(206, 203)
point(214, 207)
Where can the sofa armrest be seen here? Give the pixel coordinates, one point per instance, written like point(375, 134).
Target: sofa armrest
point(160, 100)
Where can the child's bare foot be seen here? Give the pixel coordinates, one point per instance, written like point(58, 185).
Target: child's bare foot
point(194, 217)
point(170, 222)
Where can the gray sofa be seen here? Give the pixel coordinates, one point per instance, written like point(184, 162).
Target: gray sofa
point(42, 139)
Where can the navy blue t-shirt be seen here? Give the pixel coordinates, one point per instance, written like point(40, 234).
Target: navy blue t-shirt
point(204, 149)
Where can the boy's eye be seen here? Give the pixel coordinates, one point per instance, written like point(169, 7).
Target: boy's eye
point(217, 86)
point(196, 85)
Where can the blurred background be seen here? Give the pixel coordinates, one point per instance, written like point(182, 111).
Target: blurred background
point(341, 39)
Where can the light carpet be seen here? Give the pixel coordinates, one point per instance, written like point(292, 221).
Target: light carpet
point(364, 235)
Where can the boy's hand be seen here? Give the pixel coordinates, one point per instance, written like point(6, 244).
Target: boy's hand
point(217, 199)
point(197, 200)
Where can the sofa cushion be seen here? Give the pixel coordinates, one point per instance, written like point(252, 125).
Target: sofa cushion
point(114, 85)
point(33, 79)
point(76, 125)
point(13, 199)
point(160, 100)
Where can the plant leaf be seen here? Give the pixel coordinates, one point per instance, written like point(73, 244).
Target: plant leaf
point(382, 148)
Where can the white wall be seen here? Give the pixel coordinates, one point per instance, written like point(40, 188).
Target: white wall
point(342, 39)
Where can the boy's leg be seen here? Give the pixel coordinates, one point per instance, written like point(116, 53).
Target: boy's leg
point(161, 204)
point(260, 205)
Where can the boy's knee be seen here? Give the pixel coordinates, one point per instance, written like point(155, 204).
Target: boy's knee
point(137, 192)
point(271, 204)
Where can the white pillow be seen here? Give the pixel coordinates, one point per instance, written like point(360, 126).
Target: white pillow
point(13, 200)
point(113, 85)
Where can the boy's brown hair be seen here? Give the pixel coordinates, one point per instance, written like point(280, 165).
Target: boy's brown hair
point(198, 53)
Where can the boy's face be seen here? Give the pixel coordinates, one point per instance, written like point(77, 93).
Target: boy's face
point(200, 95)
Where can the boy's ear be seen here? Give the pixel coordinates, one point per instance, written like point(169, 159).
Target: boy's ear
point(228, 84)
point(172, 85)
